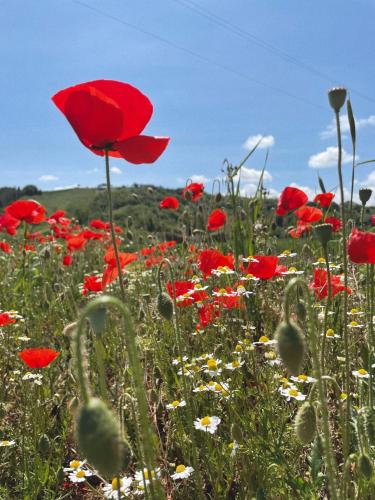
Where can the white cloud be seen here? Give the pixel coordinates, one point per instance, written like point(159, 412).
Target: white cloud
point(62, 188)
point(330, 130)
point(116, 170)
point(48, 178)
point(92, 171)
point(267, 141)
point(250, 180)
point(199, 178)
point(328, 158)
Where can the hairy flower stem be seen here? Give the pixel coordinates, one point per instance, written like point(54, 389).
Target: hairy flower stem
point(313, 340)
point(326, 311)
point(346, 437)
point(143, 428)
point(111, 225)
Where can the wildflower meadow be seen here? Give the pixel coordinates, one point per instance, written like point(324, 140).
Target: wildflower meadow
point(235, 361)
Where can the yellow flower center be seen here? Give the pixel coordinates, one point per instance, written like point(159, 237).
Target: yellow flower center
point(353, 323)
point(362, 371)
point(201, 387)
point(115, 483)
point(198, 286)
point(354, 311)
point(249, 276)
point(80, 473)
point(74, 464)
point(231, 446)
point(175, 403)
point(330, 332)
point(292, 269)
point(222, 291)
point(343, 396)
point(211, 364)
point(263, 338)
point(238, 348)
point(180, 468)
point(321, 260)
point(211, 383)
point(241, 289)
point(5, 443)
point(302, 377)
point(205, 421)
point(286, 252)
point(235, 364)
point(293, 392)
point(218, 387)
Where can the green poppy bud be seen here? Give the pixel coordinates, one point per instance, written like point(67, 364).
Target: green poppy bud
point(218, 197)
point(129, 235)
point(324, 233)
point(291, 345)
point(60, 475)
point(44, 445)
point(165, 306)
point(301, 311)
point(188, 195)
point(99, 437)
point(305, 423)
point(365, 195)
point(97, 319)
point(365, 466)
point(337, 97)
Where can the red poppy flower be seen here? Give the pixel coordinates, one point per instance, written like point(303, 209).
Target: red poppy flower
point(216, 220)
point(290, 199)
point(170, 202)
point(324, 199)
point(5, 319)
point(302, 228)
point(280, 270)
point(110, 115)
point(320, 284)
point(196, 190)
point(208, 313)
point(335, 223)
point(67, 260)
point(5, 247)
point(98, 224)
point(9, 224)
point(29, 211)
point(38, 358)
point(75, 243)
point(92, 284)
point(56, 217)
point(124, 258)
point(209, 259)
point(147, 251)
point(264, 268)
point(361, 247)
point(309, 214)
point(373, 220)
point(185, 294)
point(228, 301)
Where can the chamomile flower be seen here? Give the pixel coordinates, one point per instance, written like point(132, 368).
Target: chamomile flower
point(292, 393)
point(176, 404)
point(110, 490)
point(355, 312)
point(79, 475)
point(34, 377)
point(212, 367)
point(233, 446)
point(6, 443)
point(354, 325)
point(320, 262)
point(361, 373)
point(241, 290)
point(263, 340)
point(74, 464)
point(249, 277)
point(238, 349)
point(234, 365)
point(272, 358)
point(250, 258)
point(146, 475)
point(182, 472)
point(222, 270)
point(330, 334)
point(177, 361)
point(287, 253)
point(222, 389)
point(207, 424)
point(303, 379)
point(292, 271)
point(201, 388)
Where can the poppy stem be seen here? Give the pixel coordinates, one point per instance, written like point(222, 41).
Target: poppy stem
point(111, 225)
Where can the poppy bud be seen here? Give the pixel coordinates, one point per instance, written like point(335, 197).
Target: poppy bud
point(129, 235)
point(44, 445)
point(135, 196)
point(301, 311)
point(337, 97)
point(291, 345)
point(236, 433)
point(150, 189)
point(99, 438)
point(305, 423)
point(97, 319)
point(188, 195)
point(165, 306)
point(370, 427)
point(130, 220)
point(365, 466)
point(60, 475)
point(365, 195)
point(323, 233)
point(218, 197)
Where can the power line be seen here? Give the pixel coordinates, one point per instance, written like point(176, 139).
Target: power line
point(201, 57)
point(250, 37)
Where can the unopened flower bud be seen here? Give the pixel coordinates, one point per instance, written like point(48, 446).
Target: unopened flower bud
point(365, 195)
point(365, 466)
point(305, 423)
point(337, 97)
point(218, 197)
point(324, 233)
point(97, 319)
point(165, 306)
point(44, 445)
point(291, 345)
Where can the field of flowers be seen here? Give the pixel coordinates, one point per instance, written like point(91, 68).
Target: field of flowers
point(231, 364)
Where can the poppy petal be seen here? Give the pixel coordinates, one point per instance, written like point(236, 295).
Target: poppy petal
point(142, 148)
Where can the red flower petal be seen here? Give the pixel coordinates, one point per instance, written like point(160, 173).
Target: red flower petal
point(142, 148)
point(38, 358)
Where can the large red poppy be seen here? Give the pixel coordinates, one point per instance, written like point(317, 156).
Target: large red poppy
point(320, 284)
point(170, 202)
point(38, 358)
point(29, 211)
point(110, 115)
point(335, 223)
point(324, 199)
point(309, 214)
point(196, 190)
point(216, 220)
point(209, 259)
point(361, 247)
point(9, 224)
point(290, 199)
point(263, 266)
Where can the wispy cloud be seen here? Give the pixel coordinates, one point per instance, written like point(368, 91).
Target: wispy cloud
point(62, 188)
point(328, 158)
point(330, 130)
point(250, 180)
point(116, 170)
point(267, 141)
point(48, 178)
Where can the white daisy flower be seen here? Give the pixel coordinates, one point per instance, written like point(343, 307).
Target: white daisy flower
point(182, 472)
point(292, 271)
point(74, 464)
point(176, 404)
point(110, 490)
point(146, 475)
point(287, 253)
point(354, 325)
point(292, 393)
point(361, 373)
point(201, 388)
point(79, 475)
point(207, 424)
point(233, 448)
point(222, 270)
point(5, 443)
point(355, 312)
point(263, 340)
point(250, 258)
point(234, 365)
point(212, 367)
point(303, 379)
point(177, 361)
point(330, 334)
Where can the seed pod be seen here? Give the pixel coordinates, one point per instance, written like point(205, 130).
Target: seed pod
point(324, 233)
point(301, 311)
point(337, 97)
point(44, 445)
point(99, 438)
point(365, 466)
point(365, 195)
point(188, 195)
point(291, 345)
point(305, 423)
point(218, 197)
point(165, 306)
point(97, 319)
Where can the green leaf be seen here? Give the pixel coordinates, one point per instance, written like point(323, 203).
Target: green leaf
point(351, 121)
point(321, 184)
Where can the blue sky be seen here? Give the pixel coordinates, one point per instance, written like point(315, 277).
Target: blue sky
point(210, 103)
